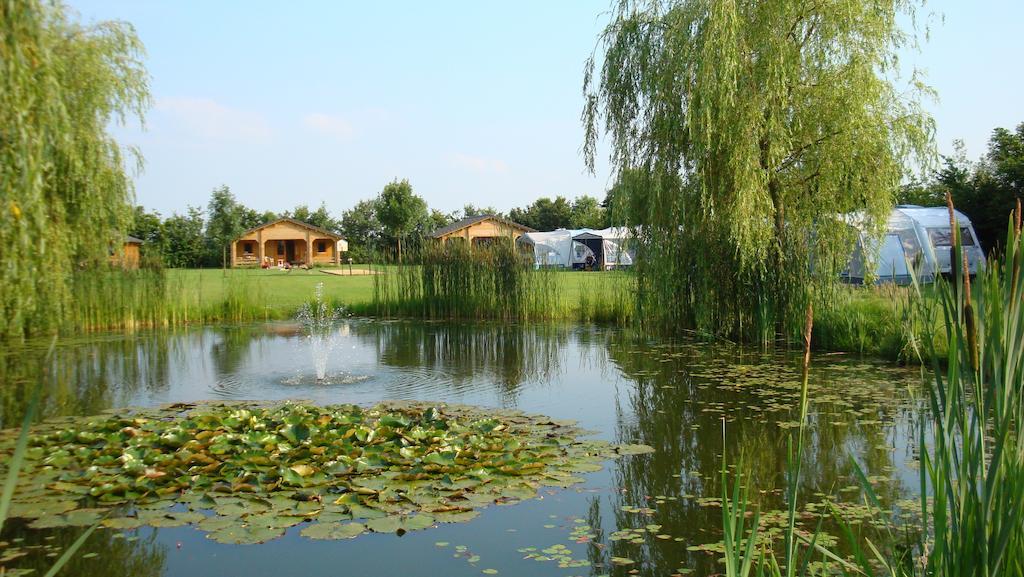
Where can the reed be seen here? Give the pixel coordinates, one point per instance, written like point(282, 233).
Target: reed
point(972, 455)
point(743, 559)
point(460, 281)
point(110, 298)
point(975, 466)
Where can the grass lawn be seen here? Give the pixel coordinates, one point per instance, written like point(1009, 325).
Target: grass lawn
point(863, 320)
point(283, 292)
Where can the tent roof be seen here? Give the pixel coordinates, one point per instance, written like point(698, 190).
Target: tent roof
point(933, 216)
point(904, 217)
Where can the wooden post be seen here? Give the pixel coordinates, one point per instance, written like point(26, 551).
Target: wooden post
point(259, 246)
point(234, 250)
point(337, 254)
point(309, 250)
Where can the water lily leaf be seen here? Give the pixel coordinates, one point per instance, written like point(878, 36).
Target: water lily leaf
point(260, 468)
point(41, 508)
point(328, 531)
point(632, 449)
point(245, 534)
point(170, 518)
point(76, 518)
point(216, 523)
point(123, 523)
point(418, 522)
point(385, 524)
point(455, 516)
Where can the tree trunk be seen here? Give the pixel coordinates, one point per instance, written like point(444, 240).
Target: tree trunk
point(399, 250)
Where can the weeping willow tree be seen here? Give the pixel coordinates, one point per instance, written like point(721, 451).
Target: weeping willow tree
point(64, 193)
point(742, 130)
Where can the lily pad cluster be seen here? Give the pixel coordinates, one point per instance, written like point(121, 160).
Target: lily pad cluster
point(246, 472)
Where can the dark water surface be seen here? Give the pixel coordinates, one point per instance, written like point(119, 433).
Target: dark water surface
point(672, 396)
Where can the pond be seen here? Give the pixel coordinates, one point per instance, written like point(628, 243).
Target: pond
point(659, 511)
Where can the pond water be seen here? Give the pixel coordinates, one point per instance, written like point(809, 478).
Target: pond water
point(673, 396)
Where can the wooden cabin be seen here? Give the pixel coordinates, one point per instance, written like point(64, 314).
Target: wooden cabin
point(130, 255)
point(481, 229)
point(286, 240)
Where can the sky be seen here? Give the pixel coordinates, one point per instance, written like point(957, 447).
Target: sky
point(472, 102)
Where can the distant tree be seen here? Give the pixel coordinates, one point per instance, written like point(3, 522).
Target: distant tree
point(437, 219)
point(183, 244)
point(544, 214)
point(265, 217)
point(400, 211)
point(321, 217)
point(469, 210)
point(921, 192)
point(986, 191)
point(360, 225)
point(989, 194)
point(250, 218)
point(147, 226)
point(587, 213)
point(225, 221)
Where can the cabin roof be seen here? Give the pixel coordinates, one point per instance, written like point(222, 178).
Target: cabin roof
point(129, 239)
point(471, 220)
point(297, 223)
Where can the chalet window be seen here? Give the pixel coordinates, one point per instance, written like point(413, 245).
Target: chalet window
point(280, 247)
point(247, 248)
point(321, 246)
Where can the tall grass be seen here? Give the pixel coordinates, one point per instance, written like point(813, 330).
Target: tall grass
point(109, 298)
point(496, 281)
point(878, 321)
point(975, 467)
point(972, 454)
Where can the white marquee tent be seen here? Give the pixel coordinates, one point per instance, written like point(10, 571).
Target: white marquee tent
point(570, 248)
point(916, 237)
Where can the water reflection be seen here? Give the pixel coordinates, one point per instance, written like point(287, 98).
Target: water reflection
point(128, 554)
point(672, 396)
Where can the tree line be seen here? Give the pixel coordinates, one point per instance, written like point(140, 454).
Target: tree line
point(394, 221)
point(986, 190)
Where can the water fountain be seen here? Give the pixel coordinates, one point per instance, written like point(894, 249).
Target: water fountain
point(319, 318)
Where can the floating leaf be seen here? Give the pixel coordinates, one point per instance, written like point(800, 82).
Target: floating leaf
point(245, 534)
point(260, 469)
point(328, 531)
point(633, 449)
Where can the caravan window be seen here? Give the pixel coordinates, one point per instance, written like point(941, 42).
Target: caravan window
point(944, 236)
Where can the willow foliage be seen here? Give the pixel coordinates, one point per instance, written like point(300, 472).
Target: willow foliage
point(741, 130)
point(64, 193)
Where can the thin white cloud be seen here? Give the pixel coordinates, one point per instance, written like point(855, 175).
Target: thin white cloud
point(208, 119)
point(477, 163)
point(335, 126)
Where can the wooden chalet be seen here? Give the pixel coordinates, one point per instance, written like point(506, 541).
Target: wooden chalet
point(481, 229)
point(286, 240)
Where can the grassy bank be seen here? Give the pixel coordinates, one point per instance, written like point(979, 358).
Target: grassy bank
point(871, 321)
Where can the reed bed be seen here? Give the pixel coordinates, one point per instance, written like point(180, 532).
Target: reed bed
point(110, 298)
point(497, 282)
point(974, 463)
